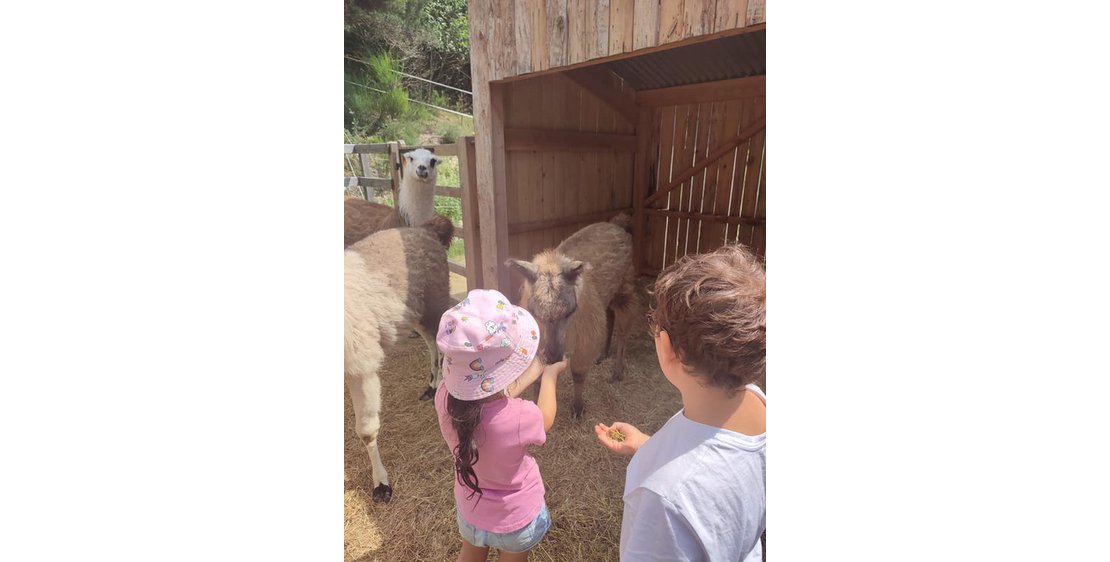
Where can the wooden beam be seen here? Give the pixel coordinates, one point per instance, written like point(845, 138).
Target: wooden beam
point(599, 216)
point(447, 191)
point(750, 221)
point(573, 63)
point(381, 148)
point(688, 173)
point(596, 80)
point(456, 267)
point(640, 174)
point(438, 149)
point(472, 251)
point(574, 141)
point(720, 90)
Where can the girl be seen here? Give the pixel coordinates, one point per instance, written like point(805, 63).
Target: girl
point(489, 357)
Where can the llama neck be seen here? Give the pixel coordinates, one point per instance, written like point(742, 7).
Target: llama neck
point(416, 202)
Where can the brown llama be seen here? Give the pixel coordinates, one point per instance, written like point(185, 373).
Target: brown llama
point(415, 203)
point(570, 291)
point(394, 280)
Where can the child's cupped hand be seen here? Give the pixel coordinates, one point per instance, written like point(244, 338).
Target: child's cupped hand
point(553, 370)
point(633, 438)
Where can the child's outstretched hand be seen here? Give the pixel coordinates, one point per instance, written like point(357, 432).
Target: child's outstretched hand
point(553, 370)
point(621, 438)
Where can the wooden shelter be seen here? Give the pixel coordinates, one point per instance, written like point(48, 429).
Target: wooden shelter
point(584, 109)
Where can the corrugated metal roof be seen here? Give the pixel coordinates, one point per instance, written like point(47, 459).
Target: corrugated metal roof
point(737, 56)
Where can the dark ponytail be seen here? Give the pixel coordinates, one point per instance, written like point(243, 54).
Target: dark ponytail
point(465, 417)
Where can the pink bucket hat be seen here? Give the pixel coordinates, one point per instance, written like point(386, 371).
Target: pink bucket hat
point(487, 343)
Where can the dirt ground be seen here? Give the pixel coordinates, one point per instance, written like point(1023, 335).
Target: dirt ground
point(584, 481)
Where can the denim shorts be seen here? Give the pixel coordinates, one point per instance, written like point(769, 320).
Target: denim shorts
point(519, 540)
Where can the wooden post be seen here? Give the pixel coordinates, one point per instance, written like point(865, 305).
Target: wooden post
point(492, 198)
point(395, 168)
point(471, 224)
point(642, 165)
point(364, 163)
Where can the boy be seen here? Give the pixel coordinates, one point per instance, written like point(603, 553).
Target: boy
point(696, 489)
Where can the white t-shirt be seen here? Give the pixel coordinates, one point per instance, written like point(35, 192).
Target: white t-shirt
point(696, 492)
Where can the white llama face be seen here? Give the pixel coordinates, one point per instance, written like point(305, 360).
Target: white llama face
point(421, 163)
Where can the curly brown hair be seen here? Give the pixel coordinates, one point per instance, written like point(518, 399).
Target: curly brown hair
point(714, 307)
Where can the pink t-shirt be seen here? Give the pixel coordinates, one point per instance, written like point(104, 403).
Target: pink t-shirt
point(512, 489)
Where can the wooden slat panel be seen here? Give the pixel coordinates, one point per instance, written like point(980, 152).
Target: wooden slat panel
point(645, 31)
point(704, 217)
point(698, 165)
point(721, 90)
point(713, 233)
point(679, 158)
point(366, 148)
point(730, 14)
point(670, 21)
point(697, 17)
point(747, 118)
point(702, 182)
point(556, 33)
point(751, 177)
point(668, 123)
point(621, 23)
point(576, 31)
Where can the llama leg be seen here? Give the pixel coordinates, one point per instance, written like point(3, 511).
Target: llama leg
point(579, 376)
point(625, 314)
point(434, 360)
point(366, 394)
point(608, 336)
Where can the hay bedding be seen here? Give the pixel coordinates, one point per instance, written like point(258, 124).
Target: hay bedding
point(584, 481)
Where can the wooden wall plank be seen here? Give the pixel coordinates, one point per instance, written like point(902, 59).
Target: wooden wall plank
point(576, 31)
point(756, 13)
point(517, 139)
point(601, 23)
point(537, 40)
point(658, 228)
point(621, 25)
point(645, 19)
point(556, 33)
point(670, 21)
point(524, 35)
point(503, 39)
point(730, 14)
point(697, 17)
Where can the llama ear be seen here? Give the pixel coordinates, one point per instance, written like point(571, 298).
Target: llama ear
point(527, 269)
point(575, 269)
point(432, 149)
